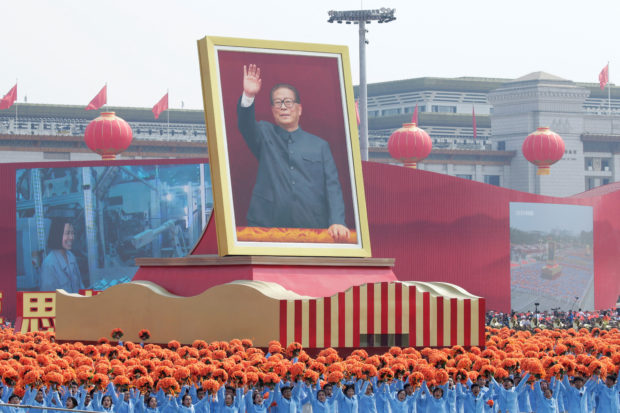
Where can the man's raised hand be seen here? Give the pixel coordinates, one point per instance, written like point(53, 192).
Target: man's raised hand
point(251, 80)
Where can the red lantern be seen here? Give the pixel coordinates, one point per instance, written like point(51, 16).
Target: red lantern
point(410, 145)
point(108, 135)
point(543, 148)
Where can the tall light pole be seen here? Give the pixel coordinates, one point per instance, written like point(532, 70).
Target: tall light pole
point(362, 17)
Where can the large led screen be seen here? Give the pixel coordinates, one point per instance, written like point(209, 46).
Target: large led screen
point(551, 257)
point(82, 227)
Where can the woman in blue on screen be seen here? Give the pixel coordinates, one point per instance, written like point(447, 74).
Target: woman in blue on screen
point(60, 268)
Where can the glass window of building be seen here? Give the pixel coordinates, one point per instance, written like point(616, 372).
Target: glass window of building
point(605, 165)
point(443, 109)
point(491, 179)
point(388, 112)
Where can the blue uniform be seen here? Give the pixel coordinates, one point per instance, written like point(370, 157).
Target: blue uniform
point(471, 403)
point(285, 405)
point(405, 406)
point(508, 399)
point(576, 400)
point(441, 405)
point(29, 398)
point(543, 404)
point(317, 406)
point(140, 404)
point(607, 397)
point(382, 397)
point(524, 401)
point(346, 404)
point(236, 407)
point(251, 407)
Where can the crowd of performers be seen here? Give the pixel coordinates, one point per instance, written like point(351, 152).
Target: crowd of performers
point(512, 395)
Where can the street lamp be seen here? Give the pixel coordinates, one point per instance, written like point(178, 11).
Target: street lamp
point(362, 17)
point(536, 305)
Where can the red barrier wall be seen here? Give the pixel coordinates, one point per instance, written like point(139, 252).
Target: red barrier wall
point(437, 227)
point(442, 228)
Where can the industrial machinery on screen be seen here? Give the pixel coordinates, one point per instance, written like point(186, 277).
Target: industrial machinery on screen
point(113, 214)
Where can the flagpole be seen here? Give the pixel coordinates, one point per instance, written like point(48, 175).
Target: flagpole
point(608, 91)
point(16, 105)
point(168, 113)
point(611, 122)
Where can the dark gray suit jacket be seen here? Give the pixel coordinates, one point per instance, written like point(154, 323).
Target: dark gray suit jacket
point(297, 183)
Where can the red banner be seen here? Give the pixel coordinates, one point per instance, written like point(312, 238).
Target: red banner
point(99, 100)
point(10, 98)
point(603, 77)
point(160, 106)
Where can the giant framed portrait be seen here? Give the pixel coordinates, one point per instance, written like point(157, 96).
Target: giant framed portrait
point(283, 148)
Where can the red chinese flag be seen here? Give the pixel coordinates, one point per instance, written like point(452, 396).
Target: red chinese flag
point(10, 98)
point(414, 118)
point(160, 106)
point(473, 115)
point(357, 112)
point(603, 77)
point(99, 100)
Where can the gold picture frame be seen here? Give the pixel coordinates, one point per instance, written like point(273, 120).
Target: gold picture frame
point(321, 73)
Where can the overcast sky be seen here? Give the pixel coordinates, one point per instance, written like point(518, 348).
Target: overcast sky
point(527, 216)
point(64, 51)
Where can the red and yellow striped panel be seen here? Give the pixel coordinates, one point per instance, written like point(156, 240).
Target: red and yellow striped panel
point(416, 314)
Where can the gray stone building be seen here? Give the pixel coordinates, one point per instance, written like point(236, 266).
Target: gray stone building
point(507, 110)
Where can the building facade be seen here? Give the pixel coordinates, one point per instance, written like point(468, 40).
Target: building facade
point(506, 111)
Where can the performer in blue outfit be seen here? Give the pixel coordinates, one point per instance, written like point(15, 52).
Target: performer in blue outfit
point(318, 400)
point(228, 403)
point(473, 401)
point(607, 394)
point(547, 399)
point(256, 403)
point(60, 268)
point(347, 398)
point(440, 401)
point(287, 398)
point(14, 400)
point(508, 393)
point(576, 395)
point(297, 182)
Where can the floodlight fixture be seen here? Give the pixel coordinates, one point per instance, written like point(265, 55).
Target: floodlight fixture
point(382, 15)
point(361, 18)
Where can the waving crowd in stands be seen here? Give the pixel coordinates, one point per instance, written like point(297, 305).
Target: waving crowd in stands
point(605, 319)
